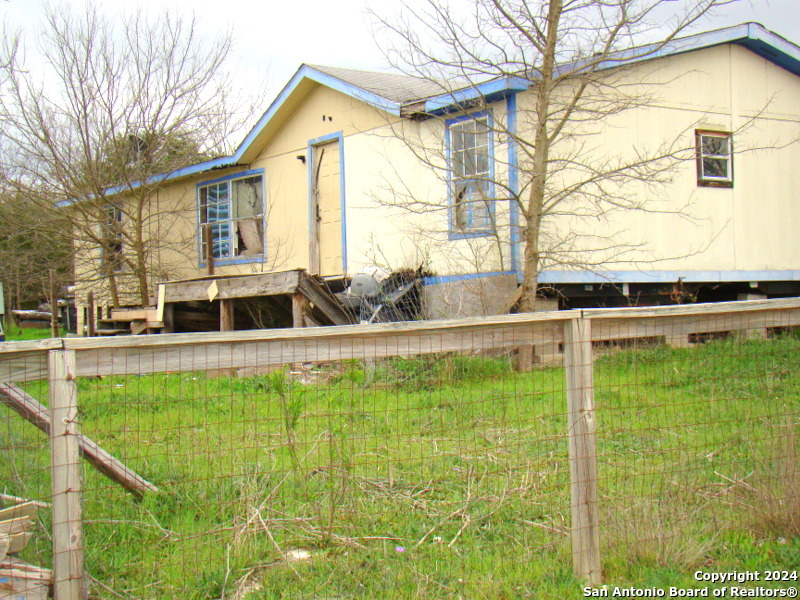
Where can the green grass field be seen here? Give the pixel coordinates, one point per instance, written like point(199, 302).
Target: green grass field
point(436, 477)
point(19, 334)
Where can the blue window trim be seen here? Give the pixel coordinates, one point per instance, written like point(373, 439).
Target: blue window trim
point(201, 262)
point(453, 233)
point(312, 145)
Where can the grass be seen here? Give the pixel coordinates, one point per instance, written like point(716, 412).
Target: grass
point(437, 477)
point(19, 334)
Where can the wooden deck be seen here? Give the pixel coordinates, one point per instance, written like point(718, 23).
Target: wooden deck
point(284, 299)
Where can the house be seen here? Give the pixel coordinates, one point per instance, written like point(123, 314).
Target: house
point(348, 169)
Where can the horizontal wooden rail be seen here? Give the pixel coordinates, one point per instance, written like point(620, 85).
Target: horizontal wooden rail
point(27, 361)
point(705, 309)
point(34, 412)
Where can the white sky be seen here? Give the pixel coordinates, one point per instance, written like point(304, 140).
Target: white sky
point(273, 37)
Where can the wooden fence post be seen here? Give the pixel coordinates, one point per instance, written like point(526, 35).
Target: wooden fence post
point(90, 315)
point(582, 450)
point(68, 546)
point(53, 295)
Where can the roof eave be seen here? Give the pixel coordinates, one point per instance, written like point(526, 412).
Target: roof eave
point(196, 169)
point(753, 36)
point(486, 92)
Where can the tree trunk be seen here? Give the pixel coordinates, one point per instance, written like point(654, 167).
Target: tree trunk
point(539, 168)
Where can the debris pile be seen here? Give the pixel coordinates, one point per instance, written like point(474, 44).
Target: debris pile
point(18, 579)
point(376, 296)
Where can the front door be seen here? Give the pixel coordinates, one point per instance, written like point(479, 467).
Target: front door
point(326, 211)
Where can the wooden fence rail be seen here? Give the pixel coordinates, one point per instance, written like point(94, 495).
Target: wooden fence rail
point(61, 361)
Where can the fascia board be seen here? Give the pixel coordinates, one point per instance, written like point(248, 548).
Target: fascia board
point(488, 90)
point(309, 73)
point(217, 163)
point(753, 36)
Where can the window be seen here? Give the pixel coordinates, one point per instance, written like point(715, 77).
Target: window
point(714, 159)
point(471, 169)
point(232, 217)
point(112, 240)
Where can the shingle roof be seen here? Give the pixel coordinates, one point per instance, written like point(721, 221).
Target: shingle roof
point(395, 87)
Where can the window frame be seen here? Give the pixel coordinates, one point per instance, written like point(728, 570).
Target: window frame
point(704, 180)
point(488, 179)
point(230, 220)
point(111, 261)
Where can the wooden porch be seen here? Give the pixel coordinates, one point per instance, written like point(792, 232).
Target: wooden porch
point(225, 303)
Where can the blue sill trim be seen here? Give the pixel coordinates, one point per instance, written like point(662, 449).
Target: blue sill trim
point(600, 277)
point(464, 277)
point(466, 235)
point(234, 261)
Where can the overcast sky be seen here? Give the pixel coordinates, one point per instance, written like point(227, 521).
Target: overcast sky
point(277, 36)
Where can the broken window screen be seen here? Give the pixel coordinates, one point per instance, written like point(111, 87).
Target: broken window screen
point(248, 195)
point(231, 217)
point(714, 159)
point(470, 163)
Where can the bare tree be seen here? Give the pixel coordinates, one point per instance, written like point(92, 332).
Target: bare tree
point(573, 57)
point(93, 126)
point(30, 246)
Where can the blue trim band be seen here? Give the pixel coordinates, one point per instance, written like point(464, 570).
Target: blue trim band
point(436, 279)
point(600, 277)
point(616, 277)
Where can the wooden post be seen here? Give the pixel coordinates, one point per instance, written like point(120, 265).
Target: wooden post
point(299, 305)
point(68, 547)
point(54, 332)
point(582, 450)
point(754, 333)
point(208, 240)
point(90, 329)
point(226, 315)
point(169, 319)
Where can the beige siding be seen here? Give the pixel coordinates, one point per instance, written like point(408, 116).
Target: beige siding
point(396, 212)
point(748, 227)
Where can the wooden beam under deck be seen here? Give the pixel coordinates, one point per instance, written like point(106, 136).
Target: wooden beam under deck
point(242, 286)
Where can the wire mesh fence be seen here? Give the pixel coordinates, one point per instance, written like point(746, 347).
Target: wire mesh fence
point(697, 451)
point(25, 488)
point(419, 461)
